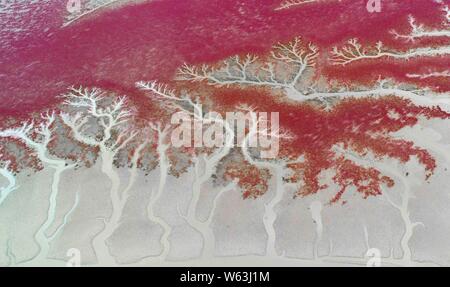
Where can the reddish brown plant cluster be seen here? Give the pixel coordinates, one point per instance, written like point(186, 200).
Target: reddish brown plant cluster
point(251, 179)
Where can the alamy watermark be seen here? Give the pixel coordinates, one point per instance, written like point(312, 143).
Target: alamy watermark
point(74, 255)
point(250, 129)
point(374, 255)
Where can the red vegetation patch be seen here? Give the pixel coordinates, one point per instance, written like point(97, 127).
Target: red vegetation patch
point(367, 72)
point(367, 181)
point(251, 179)
point(149, 41)
point(64, 146)
point(18, 155)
